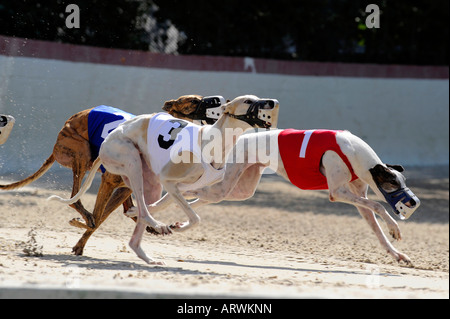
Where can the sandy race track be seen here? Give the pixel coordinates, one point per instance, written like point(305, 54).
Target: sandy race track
point(282, 243)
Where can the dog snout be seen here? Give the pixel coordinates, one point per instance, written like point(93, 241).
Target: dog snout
point(270, 104)
point(411, 203)
point(3, 121)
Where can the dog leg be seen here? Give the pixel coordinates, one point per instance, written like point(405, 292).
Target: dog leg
point(343, 194)
point(248, 182)
point(135, 244)
point(155, 207)
point(242, 186)
point(239, 183)
point(108, 184)
point(359, 188)
point(142, 222)
point(120, 156)
point(338, 178)
point(79, 171)
point(194, 219)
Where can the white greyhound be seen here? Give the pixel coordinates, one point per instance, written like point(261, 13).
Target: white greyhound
point(315, 159)
point(146, 150)
point(6, 125)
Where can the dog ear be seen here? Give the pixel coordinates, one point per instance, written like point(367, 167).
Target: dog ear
point(398, 168)
point(168, 105)
point(380, 173)
point(377, 169)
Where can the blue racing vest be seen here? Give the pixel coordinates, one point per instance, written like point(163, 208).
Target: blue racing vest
point(102, 120)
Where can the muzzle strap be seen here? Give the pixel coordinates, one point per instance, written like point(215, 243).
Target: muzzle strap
point(209, 109)
point(399, 199)
point(257, 115)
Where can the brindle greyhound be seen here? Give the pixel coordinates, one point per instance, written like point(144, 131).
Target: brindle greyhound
point(75, 149)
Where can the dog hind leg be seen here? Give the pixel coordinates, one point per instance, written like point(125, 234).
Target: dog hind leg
point(120, 156)
point(79, 171)
point(105, 192)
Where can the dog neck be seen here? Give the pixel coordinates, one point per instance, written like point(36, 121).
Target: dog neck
point(221, 137)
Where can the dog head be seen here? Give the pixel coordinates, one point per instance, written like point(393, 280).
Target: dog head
point(183, 106)
point(6, 125)
point(392, 184)
point(196, 108)
point(258, 113)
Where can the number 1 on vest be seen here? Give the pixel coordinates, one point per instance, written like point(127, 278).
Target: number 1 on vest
point(305, 143)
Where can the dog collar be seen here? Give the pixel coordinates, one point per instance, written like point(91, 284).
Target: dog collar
point(398, 199)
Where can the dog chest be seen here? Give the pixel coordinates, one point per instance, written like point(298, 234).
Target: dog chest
point(174, 141)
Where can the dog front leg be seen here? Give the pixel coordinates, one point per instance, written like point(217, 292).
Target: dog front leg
point(239, 183)
point(366, 209)
point(194, 219)
point(338, 179)
point(156, 207)
point(359, 188)
point(369, 216)
point(344, 195)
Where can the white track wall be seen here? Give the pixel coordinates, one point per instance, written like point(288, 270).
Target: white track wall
point(406, 121)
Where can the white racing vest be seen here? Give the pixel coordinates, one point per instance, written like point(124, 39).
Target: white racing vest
point(167, 138)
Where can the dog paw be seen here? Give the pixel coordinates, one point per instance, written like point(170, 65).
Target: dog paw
point(161, 229)
point(150, 230)
point(76, 222)
point(175, 225)
point(132, 212)
point(179, 227)
point(77, 250)
point(404, 258)
point(395, 232)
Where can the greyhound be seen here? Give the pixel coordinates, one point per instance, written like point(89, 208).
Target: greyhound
point(77, 146)
point(145, 152)
point(313, 159)
point(6, 126)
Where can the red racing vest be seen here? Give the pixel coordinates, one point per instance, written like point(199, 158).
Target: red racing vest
point(301, 153)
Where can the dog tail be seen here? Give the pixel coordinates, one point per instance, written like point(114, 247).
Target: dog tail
point(87, 184)
point(41, 171)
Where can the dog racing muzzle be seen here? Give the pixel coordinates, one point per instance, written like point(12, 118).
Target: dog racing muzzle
point(403, 201)
point(209, 109)
point(6, 125)
point(261, 114)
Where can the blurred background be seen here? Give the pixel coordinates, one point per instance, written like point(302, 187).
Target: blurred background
point(411, 32)
point(320, 59)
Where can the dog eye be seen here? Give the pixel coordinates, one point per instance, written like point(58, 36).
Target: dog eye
point(394, 182)
point(248, 102)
